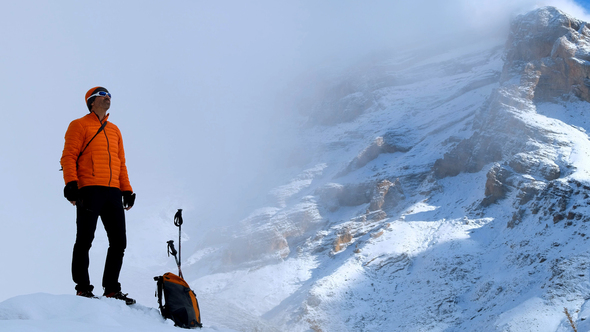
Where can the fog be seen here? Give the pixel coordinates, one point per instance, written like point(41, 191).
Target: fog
point(199, 94)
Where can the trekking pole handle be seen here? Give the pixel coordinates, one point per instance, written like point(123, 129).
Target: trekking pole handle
point(178, 218)
point(171, 249)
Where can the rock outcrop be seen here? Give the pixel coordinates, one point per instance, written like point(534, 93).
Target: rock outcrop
point(549, 49)
point(382, 195)
point(546, 59)
point(386, 195)
point(266, 233)
point(390, 143)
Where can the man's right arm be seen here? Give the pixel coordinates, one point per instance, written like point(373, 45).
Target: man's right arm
point(74, 139)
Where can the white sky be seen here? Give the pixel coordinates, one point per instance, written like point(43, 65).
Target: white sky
point(196, 91)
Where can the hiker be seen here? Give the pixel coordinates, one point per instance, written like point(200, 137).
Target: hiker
point(94, 170)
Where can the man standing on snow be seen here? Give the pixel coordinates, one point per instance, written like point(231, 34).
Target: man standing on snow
point(97, 183)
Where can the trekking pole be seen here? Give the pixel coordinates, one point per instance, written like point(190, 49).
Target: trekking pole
point(173, 252)
point(178, 223)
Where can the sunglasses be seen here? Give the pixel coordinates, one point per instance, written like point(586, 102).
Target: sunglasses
point(100, 94)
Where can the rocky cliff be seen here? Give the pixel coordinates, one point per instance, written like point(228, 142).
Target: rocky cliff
point(448, 190)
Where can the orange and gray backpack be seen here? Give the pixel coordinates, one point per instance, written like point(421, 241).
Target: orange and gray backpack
point(181, 302)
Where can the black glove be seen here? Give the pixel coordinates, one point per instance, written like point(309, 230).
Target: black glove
point(71, 191)
point(128, 199)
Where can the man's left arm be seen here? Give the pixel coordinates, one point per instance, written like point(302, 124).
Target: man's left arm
point(126, 189)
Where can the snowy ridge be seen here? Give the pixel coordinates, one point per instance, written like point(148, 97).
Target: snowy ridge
point(453, 197)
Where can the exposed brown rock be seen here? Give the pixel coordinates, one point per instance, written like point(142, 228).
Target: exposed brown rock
point(558, 217)
point(386, 144)
point(470, 155)
point(379, 195)
point(528, 191)
point(551, 48)
point(342, 240)
point(531, 163)
point(495, 185)
point(376, 234)
point(266, 235)
point(386, 195)
point(546, 59)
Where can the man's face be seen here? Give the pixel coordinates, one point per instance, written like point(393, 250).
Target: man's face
point(102, 102)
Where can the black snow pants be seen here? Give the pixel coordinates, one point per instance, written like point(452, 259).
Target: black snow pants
point(106, 202)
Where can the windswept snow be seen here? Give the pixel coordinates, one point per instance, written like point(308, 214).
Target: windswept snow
point(70, 313)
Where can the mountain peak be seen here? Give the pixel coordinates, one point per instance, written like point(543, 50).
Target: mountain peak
point(550, 50)
point(444, 191)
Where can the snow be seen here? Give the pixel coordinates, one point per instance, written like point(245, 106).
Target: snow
point(65, 313)
point(438, 261)
point(532, 315)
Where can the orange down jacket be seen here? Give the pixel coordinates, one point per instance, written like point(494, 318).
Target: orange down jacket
point(103, 161)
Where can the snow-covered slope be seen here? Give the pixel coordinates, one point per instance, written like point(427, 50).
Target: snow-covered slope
point(443, 189)
point(447, 191)
point(70, 313)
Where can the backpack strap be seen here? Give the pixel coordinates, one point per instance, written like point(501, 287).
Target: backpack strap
point(98, 132)
point(160, 286)
point(80, 155)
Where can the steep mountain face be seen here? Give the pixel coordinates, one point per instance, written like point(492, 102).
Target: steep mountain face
point(448, 191)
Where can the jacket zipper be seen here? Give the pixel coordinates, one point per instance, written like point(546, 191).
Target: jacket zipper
point(109, 152)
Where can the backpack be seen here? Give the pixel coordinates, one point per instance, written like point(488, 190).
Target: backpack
point(181, 302)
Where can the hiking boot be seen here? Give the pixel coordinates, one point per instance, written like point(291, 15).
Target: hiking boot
point(87, 294)
point(120, 296)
